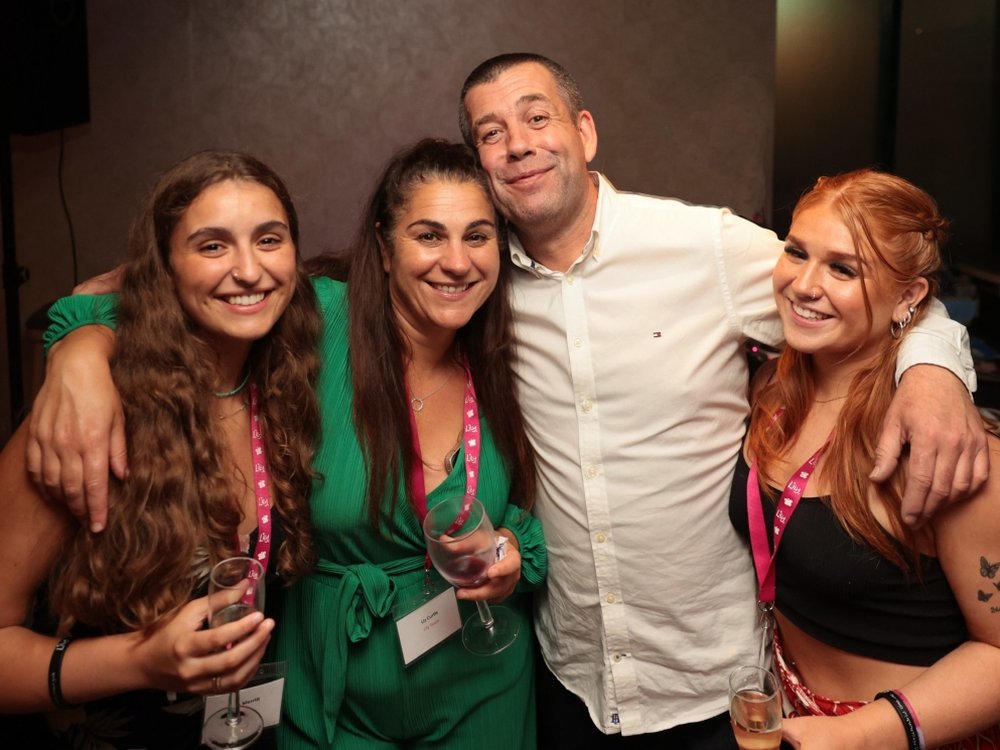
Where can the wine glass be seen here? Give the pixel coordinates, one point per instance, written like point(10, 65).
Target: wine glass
point(235, 589)
point(462, 544)
point(755, 708)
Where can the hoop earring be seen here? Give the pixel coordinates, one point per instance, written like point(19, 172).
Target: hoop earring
point(896, 328)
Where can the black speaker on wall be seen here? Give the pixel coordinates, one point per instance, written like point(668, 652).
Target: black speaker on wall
point(46, 84)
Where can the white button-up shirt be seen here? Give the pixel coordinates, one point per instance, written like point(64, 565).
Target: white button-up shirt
point(633, 381)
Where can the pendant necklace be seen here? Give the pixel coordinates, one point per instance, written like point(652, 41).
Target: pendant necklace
point(449, 458)
point(417, 402)
point(233, 392)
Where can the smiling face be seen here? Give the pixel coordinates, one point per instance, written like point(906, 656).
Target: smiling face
point(533, 148)
point(442, 256)
point(820, 285)
point(233, 263)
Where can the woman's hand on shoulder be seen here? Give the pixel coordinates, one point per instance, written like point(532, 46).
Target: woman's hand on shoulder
point(182, 656)
point(77, 426)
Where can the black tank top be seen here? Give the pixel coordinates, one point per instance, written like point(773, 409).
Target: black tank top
point(843, 593)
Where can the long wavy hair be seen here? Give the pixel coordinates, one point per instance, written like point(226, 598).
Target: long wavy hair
point(178, 510)
point(896, 228)
point(377, 350)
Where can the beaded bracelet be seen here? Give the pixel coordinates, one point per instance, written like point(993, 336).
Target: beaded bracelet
point(911, 724)
point(55, 671)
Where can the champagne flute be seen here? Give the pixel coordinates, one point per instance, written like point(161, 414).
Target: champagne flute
point(462, 544)
point(235, 589)
point(755, 708)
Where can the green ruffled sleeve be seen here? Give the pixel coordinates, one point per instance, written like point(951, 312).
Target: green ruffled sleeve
point(534, 557)
point(70, 313)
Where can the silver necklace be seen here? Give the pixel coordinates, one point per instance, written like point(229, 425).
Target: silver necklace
point(417, 402)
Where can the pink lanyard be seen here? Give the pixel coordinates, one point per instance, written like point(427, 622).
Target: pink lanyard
point(470, 438)
point(262, 550)
point(788, 502)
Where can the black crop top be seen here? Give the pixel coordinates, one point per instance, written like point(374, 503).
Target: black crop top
point(845, 594)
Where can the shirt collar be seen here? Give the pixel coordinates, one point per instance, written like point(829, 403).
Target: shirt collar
point(522, 260)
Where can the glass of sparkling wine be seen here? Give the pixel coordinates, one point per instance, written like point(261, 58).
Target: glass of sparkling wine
point(462, 545)
point(235, 590)
point(755, 708)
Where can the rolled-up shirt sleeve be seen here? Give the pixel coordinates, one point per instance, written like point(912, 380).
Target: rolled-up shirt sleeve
point(938, 340)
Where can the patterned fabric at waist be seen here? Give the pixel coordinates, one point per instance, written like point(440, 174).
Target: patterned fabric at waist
point(801, 701)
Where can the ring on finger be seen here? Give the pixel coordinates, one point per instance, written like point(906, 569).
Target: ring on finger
point(217, 683)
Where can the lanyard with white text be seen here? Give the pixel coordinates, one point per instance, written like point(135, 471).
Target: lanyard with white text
point(787, 503)
point(262, 494)
point(471, 444)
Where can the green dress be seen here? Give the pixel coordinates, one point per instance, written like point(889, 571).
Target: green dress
point(347, 686)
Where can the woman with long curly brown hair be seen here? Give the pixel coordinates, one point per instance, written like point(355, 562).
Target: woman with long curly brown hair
point(217, 326)
point(892, 630)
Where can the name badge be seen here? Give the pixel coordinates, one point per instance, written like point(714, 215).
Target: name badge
point(263, 694)
point(434, 619)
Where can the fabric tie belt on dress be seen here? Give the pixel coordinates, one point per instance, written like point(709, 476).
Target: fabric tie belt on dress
point(365, 591)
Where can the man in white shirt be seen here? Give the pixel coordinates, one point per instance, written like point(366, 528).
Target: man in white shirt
point(631, 315)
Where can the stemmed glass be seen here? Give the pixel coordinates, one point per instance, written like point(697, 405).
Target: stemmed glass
point(235, 590)
point(755, 708)
point(461, 543)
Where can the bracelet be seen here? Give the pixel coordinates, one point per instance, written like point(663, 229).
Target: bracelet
point(911, 724)
point(55, 670)
point(916, 720)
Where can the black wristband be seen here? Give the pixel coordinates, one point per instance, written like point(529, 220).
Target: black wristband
point(914, 737)
point(55, 671)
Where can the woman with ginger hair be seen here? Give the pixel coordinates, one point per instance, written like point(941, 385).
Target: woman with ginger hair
point(217, 324)
point(893, 631)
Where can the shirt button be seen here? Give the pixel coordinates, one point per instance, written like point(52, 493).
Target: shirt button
point(591, 471)
point(610, 598)
point(617, 657)
point(588, 405)
point(577, 343)
point(601, 538)
point(569, 280)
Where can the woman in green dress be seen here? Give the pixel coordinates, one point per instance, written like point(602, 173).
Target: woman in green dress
point(416, 355)
point(422, 325)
